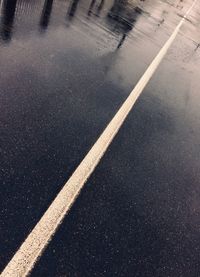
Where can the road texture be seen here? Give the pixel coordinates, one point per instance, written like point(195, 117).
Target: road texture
point(66, 68)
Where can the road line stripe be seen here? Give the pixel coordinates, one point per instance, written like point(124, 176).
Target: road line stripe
point(23, 261)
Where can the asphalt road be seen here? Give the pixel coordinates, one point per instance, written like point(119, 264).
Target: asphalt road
point(65, 69)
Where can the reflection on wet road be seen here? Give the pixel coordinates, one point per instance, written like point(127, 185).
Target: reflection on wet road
point(8, 14)
point(66, 68)
point(46, 13)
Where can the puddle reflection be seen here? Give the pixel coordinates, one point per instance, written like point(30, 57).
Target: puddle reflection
point(119, 19)
point(46, 14)
point(122, 17)
point(96, 10)
point(8, 8)
point(73, 8)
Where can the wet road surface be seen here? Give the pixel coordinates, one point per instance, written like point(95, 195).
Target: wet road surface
point(66, 67)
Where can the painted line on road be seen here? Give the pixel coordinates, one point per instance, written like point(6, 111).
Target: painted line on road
point(25, 258)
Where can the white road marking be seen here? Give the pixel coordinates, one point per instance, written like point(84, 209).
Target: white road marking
point(31, 249)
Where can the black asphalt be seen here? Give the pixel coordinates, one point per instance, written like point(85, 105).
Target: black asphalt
point(66, 67)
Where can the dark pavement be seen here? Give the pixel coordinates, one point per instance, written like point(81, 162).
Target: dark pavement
point(66, 67)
